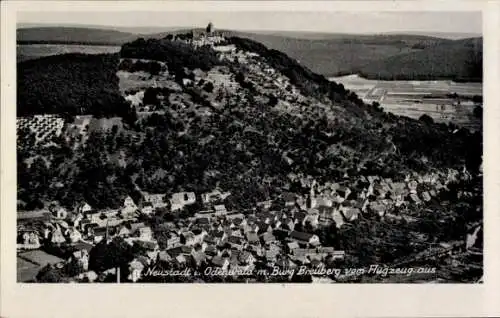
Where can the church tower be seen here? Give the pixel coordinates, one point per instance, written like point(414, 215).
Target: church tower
point(312, 196)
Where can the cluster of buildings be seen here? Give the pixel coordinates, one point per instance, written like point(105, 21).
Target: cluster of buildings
point(389, 199)
point(276, 232)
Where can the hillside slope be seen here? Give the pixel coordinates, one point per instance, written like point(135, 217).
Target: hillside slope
point(239, 120)
point(459, 60)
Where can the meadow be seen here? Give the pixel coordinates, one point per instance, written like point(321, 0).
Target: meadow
point(415, 98)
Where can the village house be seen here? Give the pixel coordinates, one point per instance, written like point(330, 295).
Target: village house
point(268, 238)
point(89, 276)
point(211, 251)
point(82, 258)
point(164, 257)
point(188, 238)
point(173, 240)
point(214, 196)
point(289, 199)
point(57, 236)
point(199, 235)
point(74, 235)
point(30, 240)
point(156, 200)
point(246, 258)
point(292, 246)
point(100, 233)
point(220, 210)
point(380, 190)
point(265, 205)
point(220, 262)
point(350, 213)
point(305, 238)
point(76, 219)
point(340, 255)
point(412, 186)
point(237, 242)
point(123, 231)
point(147, 208)
point(252, 238)
point(59, 213)
point(343, 192)
point(413, 198)
point(198, 257)
point(145, 233)
point(181, 199)
point(84, 208)
point(271, 255)
point(135, 267)
point(129, 206)
point(426, 196)
point(377, 207)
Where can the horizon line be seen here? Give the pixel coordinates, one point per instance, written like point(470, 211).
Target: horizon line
point(28, 25)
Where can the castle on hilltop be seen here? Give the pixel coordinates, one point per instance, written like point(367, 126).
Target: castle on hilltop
point(209, 37)
point(210, 28)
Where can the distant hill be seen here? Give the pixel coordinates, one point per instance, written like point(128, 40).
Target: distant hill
point(460, 60)
point(70, 35)
point(342, 54)
point(329, 54)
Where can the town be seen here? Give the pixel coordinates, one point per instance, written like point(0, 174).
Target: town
point(323, 204)
point(275, 233)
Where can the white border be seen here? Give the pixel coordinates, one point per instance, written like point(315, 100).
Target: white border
point(250, 300)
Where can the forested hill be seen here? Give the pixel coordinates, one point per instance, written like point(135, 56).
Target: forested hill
point(460, 60)
point(384, 56)
point(73, 35)
point(70, 84)
point(245, 120)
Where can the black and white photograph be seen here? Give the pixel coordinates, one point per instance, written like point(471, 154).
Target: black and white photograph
point(249, 147)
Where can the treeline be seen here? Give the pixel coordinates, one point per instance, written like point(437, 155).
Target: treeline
point(152, 67)
point(71, 84)
point(176, 54)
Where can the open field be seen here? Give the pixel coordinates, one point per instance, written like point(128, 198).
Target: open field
point(415, 98)
point(34, 51)
point(26, 271)
point(30, 263)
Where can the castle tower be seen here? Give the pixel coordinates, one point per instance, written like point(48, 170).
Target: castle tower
point(210, 28)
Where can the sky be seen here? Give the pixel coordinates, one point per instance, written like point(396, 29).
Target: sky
point(330, 22)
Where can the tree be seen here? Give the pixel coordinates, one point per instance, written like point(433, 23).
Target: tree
point(117, 253)
point(273, 100)
point(426, 119)
point(73, 268)
point(155, 68)
point(150, 96)
point(209, 87)
point(478, 111)
point(49, 274)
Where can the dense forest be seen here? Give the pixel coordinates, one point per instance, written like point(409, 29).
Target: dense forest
point(460, 60)
point(70, 84)
point(176, 54)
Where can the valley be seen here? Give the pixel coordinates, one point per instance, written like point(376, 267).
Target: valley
point(444, 101)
